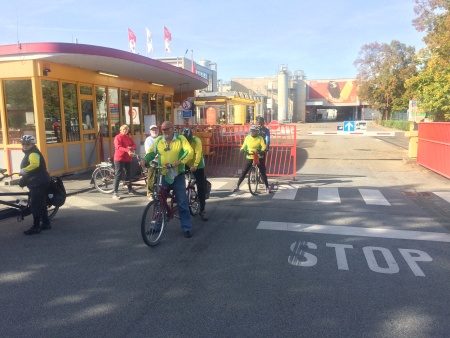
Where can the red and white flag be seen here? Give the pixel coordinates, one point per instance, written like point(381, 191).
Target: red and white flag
point(149, 41)
point(167, 39)
point(132, 40)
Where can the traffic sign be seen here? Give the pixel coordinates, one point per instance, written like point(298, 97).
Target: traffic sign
point(274, 125)
point(186, 104)
point(340, 127)
point(186, 114)
point(349, 125)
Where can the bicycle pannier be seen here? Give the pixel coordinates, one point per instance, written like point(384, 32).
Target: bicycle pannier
point(56, 194)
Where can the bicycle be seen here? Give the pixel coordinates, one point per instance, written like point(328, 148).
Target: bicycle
point(19, 208)
point(254, 176)
point(103, 176)
point(162, 209)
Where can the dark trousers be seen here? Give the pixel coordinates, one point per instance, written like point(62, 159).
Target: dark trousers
point(118, 167)
point(200, 181)
point(262, 169)
point(38, 204)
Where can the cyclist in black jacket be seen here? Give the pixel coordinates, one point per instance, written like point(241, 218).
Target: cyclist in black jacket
point(36, 178)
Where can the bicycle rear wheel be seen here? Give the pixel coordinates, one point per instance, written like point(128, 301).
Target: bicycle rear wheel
point(51, 211)
point(153, 223)
point(194, 204)
point(253, 180)
point(104, 179)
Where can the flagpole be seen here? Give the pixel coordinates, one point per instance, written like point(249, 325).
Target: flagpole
point(192, 61)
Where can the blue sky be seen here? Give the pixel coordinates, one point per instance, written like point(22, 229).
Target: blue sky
point(246, 39)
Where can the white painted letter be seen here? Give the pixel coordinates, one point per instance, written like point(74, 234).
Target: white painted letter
point(305, 259)
point(372, 262)
point(340, 254)
point(411, 260)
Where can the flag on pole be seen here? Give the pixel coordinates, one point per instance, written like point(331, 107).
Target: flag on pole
point(149, 41)
point(132, 40)
point(167, 39)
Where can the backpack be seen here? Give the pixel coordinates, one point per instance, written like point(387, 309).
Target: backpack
point(56, 193)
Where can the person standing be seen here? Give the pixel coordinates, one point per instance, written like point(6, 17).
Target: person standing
point(197, 166)
point(36, 178)
point(151, 172)
point(253, 145)
point(124, 147)
point(175, 150)
point(265, 133)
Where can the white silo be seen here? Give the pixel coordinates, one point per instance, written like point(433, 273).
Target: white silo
point(283, 94)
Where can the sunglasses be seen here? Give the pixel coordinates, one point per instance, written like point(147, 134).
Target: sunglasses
point(167, 148)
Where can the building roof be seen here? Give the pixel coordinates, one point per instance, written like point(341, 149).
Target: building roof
point(109, 60)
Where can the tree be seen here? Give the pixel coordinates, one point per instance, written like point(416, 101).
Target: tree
point(431, 86)
point(382, 72)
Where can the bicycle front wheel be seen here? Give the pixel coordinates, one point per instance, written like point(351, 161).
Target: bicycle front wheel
point(153, 223)
point(194, 204)
point(253, 180)
point(104, 179)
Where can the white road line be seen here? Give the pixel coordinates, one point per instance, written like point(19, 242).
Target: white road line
point(353, 231)
point(373, 197)
point(216, 185)
point(328, 195)
point(285, 192)
point(443, 195)
point(82, 203)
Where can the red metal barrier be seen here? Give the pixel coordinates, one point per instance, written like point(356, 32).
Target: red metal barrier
point(221, 144)
point(434, 147)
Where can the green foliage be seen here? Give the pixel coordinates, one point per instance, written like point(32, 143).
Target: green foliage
point(382, 72)
point(396, 124)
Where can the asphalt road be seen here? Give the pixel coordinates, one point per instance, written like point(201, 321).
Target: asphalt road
point(358, 245)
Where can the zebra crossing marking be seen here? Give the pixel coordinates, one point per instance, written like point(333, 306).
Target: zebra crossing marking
point(354, 231)
point(373, 197)
point(328, 195)
point(285, 193)
point(443, 195)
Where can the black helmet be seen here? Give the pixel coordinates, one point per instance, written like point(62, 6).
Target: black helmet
point(186, 132)
point(260, 119)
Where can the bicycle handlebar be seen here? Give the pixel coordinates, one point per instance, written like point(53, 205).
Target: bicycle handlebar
point(7, 175)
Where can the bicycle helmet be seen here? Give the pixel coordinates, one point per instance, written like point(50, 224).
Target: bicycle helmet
point(260, 119)
point(254, 128)
point(27, 139)
point(186, 132)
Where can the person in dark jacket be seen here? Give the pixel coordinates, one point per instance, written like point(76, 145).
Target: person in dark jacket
point(124, 147)
point(36, 178)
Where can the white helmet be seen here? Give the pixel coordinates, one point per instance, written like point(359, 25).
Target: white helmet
point(27, 139)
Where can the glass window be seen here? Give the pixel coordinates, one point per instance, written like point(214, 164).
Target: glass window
point(125, 97)
point(153, 104)
point(52, 111)
point(102, 110)
point(135, 96)
point(144, 104)
point(19, 109)
point(168, 107)
point(136, 117)
point(114, 110)
point(85, 90)
point(160, 109)
point(71, 118)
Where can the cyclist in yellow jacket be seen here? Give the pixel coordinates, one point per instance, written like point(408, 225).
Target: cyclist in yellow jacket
point(253, 145)
point(197, 167)
point(175, 150)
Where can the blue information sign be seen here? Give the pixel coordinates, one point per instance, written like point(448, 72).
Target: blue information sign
point(349, 125)
point(186, 114)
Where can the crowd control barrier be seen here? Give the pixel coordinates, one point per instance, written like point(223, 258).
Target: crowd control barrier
point(221, 144)
point(434, 147)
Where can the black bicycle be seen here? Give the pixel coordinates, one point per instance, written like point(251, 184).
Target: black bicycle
point(20, 206)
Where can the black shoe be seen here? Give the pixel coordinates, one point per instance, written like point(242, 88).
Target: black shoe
point(203, 215)
point(46, 227)
point(187, 234)
point(32, 231)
